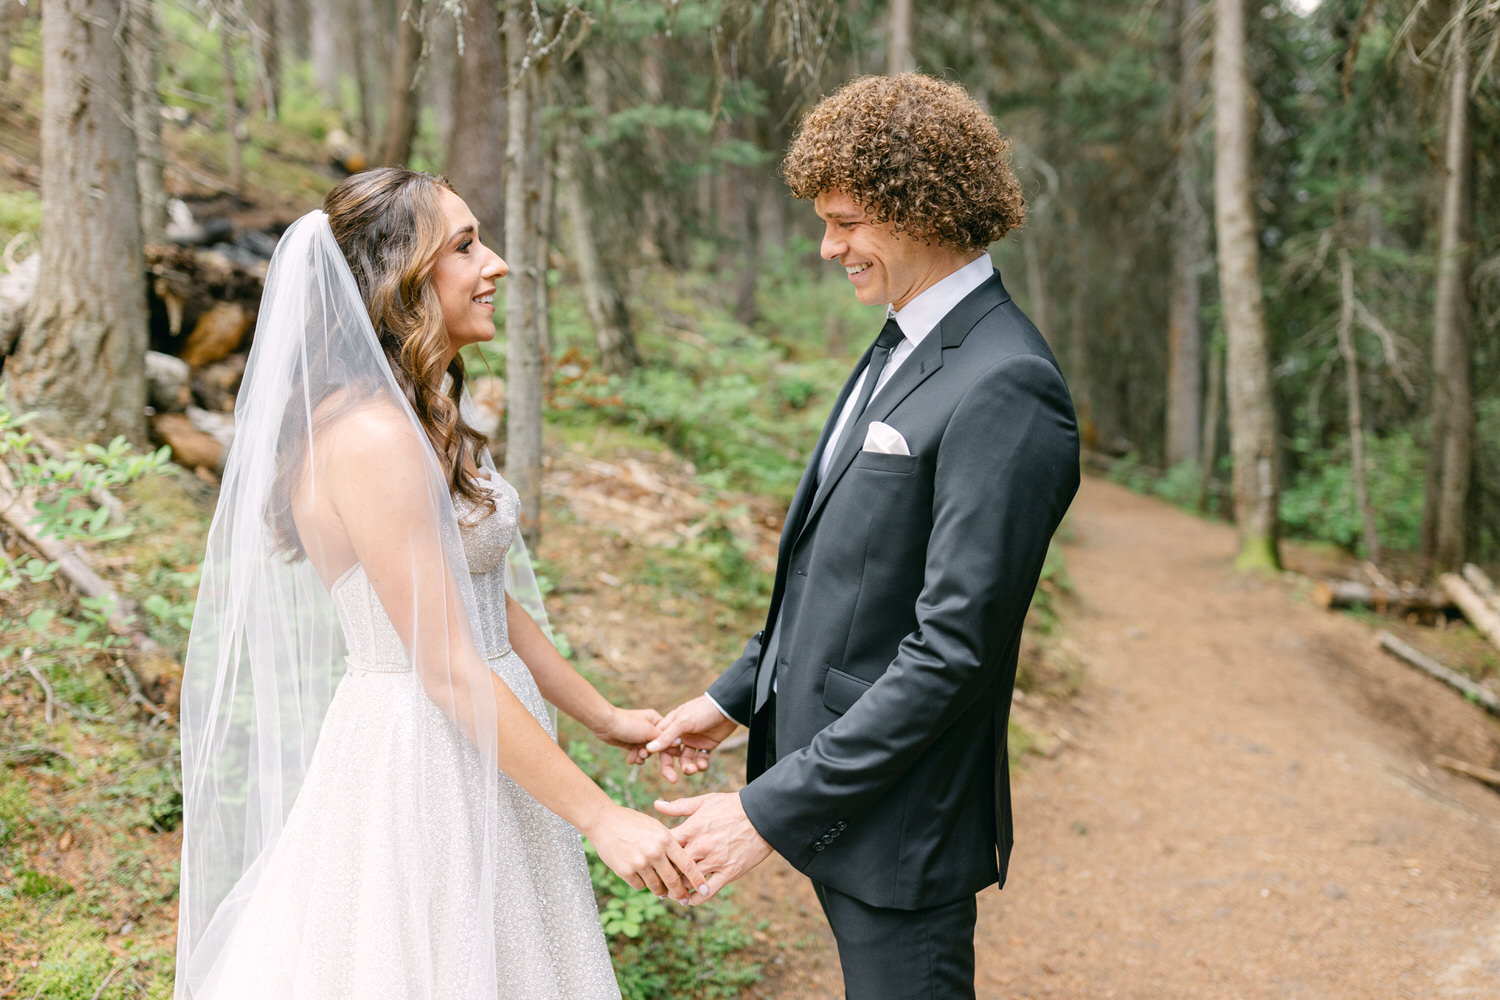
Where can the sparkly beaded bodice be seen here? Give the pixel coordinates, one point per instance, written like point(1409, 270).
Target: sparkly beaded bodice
point(372, 639)
point(486, 541)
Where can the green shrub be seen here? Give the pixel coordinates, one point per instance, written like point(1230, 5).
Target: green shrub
point(1319, 503)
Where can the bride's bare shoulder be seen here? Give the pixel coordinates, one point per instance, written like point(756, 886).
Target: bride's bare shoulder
point(377, 431)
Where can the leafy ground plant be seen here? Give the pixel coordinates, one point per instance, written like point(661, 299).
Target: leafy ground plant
point(89, 800)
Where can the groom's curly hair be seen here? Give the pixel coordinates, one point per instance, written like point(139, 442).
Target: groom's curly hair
point(913, 151)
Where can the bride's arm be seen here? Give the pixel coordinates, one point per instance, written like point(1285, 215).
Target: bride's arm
point(382, 494)
point(564, 687)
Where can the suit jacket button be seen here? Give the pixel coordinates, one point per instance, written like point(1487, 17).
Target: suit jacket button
point(819, 846)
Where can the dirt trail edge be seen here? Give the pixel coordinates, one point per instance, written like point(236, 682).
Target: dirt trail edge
point(1246, 805)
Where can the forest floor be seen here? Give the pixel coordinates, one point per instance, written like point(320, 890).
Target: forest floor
point(1241, 801)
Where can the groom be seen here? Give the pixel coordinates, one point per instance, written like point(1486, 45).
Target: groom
point(878, 694)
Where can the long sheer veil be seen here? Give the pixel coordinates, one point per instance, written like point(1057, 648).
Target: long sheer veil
point(267, 650)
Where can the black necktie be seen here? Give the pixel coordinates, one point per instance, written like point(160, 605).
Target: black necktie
point(890, 336)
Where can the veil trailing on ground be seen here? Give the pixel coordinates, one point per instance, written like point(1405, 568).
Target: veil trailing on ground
point(267, 649)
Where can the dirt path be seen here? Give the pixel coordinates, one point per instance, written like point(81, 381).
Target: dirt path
point(1244, 805)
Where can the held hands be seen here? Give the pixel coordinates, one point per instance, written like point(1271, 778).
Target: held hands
point(646, 854)
point(686, 736)
point(717, 840)
point(719, 836)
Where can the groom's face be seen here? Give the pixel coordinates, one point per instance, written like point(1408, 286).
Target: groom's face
point(882, 265)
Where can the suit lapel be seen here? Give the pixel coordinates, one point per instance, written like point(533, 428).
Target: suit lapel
point(796, 514)
point(916, 369)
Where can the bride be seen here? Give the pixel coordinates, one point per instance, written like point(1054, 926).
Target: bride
point(375, 802)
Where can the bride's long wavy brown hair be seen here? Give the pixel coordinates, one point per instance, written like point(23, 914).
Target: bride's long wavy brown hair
point(389, 224)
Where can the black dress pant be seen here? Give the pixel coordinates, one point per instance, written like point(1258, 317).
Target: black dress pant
point(903, 954)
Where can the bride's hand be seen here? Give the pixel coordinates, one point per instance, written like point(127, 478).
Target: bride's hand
point(630, 729)
point(645, 854)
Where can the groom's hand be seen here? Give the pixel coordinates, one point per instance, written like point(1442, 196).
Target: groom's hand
point(718, 835)
point(687, 735)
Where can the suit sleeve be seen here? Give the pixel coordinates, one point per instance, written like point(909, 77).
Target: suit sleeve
point(1006, 469)
point(734, 691)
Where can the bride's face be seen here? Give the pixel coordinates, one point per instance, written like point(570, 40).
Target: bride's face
point(465, 276)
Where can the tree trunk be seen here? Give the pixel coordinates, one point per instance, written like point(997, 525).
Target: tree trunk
point(326, 44)
point(268, 54)
point(230, 120)
point(1252, 414)
point(10, 21)
point(524, 367)
point(772, 211)
point(81, 361)
point(1213, 411)
point(900, 56)
point(746, 207)
point(142, 48)
point(1079, 377)
point(476, 148)
point(401, 97)
point(1355, 406)
point(602, 295)
point(294, 32)
point(1037, 306)
point(438, 82)
point(1450, 455)
point(1189, 252)
point(661, 232)
point(369, 64)
point(543, 159)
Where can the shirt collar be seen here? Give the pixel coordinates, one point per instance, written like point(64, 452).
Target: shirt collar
point(923, 313)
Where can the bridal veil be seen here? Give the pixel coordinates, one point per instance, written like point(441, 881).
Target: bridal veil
point(266, 650)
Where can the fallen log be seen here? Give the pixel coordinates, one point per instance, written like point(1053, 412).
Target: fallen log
point(1485, 619)
point(1433, 668)
point(1329, 594)
point(1487, 775)
point(185, 287)
point(192, 448)
point(1482, 584)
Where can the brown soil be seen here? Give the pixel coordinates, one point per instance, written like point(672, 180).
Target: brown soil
point(1242, 801)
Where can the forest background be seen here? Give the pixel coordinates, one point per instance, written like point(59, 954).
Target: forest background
point(1267, 259)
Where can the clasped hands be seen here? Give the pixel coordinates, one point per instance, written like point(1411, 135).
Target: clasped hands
point(717, 835)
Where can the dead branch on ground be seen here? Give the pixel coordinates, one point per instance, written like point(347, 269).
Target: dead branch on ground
point(1433, 668)
point(1488, 776)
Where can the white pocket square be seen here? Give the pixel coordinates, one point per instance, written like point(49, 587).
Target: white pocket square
point(884, 439)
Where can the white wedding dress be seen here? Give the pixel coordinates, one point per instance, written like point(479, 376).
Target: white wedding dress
point(346, 906)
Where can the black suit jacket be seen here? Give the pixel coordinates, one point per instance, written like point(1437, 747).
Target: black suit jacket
point(903, 582)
